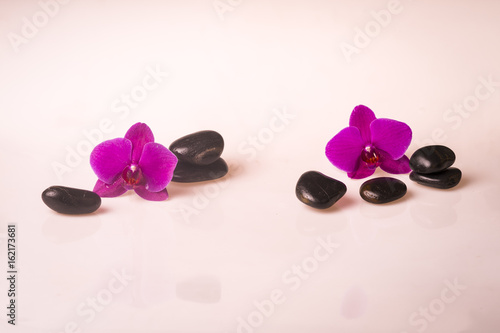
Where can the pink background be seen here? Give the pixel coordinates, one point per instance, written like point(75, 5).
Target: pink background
point(243, 254)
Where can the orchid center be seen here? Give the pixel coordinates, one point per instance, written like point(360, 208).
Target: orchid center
point(371, 157)
point(132, 175)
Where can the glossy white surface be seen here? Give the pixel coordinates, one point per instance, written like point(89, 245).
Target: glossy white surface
point(243, 254)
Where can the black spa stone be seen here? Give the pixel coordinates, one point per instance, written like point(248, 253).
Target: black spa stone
point(200, 148)
point(67, 200)
point(382, 190)
point(319, 191)
point(431, 159)
point(190, 173)
point(442, 180)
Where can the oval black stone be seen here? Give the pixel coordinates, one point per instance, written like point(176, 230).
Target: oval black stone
point(190, 173)
point(432, 159)
point(382, 190)
point(67, 200)
point(443, 180)
point(200, 148)
point(319, 191)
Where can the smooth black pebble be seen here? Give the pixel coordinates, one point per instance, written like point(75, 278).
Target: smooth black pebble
point(319, 191)
point(382, 190)
point(190, 173)
point(431, 159)
point(443, 180)
point(200, 148)
point(67, 200)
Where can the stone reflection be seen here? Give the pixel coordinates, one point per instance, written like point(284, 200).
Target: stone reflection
point(199, 289)
point(435, 209)
point(59, 228)
point(321, 225)
point(354, 303)
point(317, 222)
point(366, 222)
point(363, 231)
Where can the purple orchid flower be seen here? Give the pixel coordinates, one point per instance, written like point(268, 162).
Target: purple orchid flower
point(368, 143)
point(136, 163)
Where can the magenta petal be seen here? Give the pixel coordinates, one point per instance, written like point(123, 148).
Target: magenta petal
point(391, 136)
point(109, 158)
point(151, 196)
point(345, 148)
point(361, 172)
point(157, 164)
point(398, 166)
point(110, 190)
point(139, 134)
point(362, 117)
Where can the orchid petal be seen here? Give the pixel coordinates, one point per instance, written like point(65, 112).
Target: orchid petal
point(344, 149)
point(139, 134)
point(362, 117)
point(391, 136)
point(110, 190)
point(109, 158)
point(151, 196)
point(401, 165)
point(361, 172)
point(157, 164)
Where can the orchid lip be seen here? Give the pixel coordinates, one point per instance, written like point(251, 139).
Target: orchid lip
point(132, 175)
point(371, 157)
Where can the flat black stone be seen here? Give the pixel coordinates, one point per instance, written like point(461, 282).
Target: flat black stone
point(443, 180)
point(67, 200)
point(431, 159)
point(200, 148)
point(319, 191)
point(190, 173)
point(382, 190)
